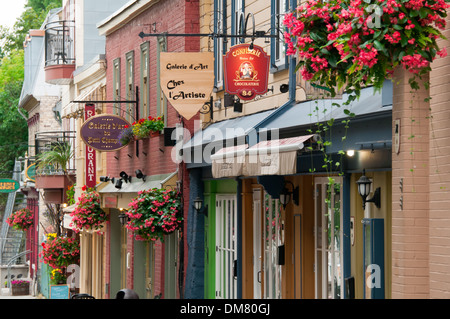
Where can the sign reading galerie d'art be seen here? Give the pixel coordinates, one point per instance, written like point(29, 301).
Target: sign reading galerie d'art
point(101, 132)
point(246, 71)
point(187, 80)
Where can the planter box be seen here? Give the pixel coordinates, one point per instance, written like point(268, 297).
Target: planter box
point(20, 291)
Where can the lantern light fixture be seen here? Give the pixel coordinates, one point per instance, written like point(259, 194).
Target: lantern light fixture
point(123, 217)
point(286, 195)
point(198, 205)
point(364, 185)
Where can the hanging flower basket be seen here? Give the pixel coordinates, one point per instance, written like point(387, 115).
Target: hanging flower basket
point(356, 43)
point(88, 214)
point(154, 213)
point(21, 219)
point(144, 128)
point(60, 252)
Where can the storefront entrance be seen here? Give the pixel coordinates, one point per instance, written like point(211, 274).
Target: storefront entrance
point(226, 257)
point(328, 238)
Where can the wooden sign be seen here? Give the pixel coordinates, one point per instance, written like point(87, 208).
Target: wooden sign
point(246, 71)
point(187, 80)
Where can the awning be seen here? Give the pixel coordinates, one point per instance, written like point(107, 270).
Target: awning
point(228, 161)
point(274, 157)
point(113, 197)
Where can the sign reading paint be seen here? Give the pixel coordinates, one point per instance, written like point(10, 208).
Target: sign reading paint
point(101, 132)
point(246, 71)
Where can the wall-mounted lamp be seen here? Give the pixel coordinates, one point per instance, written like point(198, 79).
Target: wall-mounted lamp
point(285, 195)
point(140, 175)
point(198, 203)
point(350, 153)
point(123, 217)
point(364, 190)
point(118, 184)
point(125, 177)
point(104, 179)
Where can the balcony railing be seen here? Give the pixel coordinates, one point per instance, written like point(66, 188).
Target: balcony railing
point(59, 43)
point(52, 141)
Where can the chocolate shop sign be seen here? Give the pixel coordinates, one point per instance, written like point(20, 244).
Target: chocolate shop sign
point(101, 132)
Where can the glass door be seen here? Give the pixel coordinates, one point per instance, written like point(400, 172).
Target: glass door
point(226, 258)
point(328, 238)
point(257, 256)
point(273, 239)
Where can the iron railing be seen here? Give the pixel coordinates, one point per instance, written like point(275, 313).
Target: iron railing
point(59, 43)
point(48, 141)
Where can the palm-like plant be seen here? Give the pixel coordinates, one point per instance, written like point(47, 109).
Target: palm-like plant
point(57, 157)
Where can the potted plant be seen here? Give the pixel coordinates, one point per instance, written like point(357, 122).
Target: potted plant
point(146, 127)
point(20, 287)
point(154, 213)
point(58, 276)
point(88, 214)
point(21, 219)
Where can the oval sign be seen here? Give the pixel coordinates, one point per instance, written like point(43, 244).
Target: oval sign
point(101, 132)
point(9, 185)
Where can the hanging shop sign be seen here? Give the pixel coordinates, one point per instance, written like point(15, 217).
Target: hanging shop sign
point(187, 80)
point(30, 172)
point(91, 159)
point(101, 132)
point(9, 185)
point(246, 71)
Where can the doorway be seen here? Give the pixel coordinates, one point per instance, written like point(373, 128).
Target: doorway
point(226, 244)
point(328, 238)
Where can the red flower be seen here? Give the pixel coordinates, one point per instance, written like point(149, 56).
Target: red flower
point(83, 188)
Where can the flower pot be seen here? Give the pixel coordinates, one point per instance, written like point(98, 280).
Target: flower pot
point(155, 133)
point(20, 291)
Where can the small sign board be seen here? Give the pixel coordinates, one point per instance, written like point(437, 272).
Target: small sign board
point(101, 132)
point(187, 80)
point(246, 71)
point(8, 185)
point(59, 292)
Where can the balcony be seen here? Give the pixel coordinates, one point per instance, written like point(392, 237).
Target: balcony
point(59, 170)
point(59, 52)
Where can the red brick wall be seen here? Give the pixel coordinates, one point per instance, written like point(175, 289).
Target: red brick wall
point(439, 218)
point(410, 224)
point(180, 16)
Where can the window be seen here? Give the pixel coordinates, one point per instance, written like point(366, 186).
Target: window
point(116, 86)
point(278, 55)
point(145, 94)
point(219, 47)
point(161, 103)
point(130, 111)
point(238, 10)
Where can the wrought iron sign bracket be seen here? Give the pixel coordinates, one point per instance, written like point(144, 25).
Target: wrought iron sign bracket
point(242, 32)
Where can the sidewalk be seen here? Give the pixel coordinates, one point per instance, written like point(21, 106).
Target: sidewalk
point(4, 294)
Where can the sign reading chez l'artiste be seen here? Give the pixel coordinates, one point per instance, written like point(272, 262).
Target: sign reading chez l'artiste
point(187, 80)
point(246, 71)
point(101, 132)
